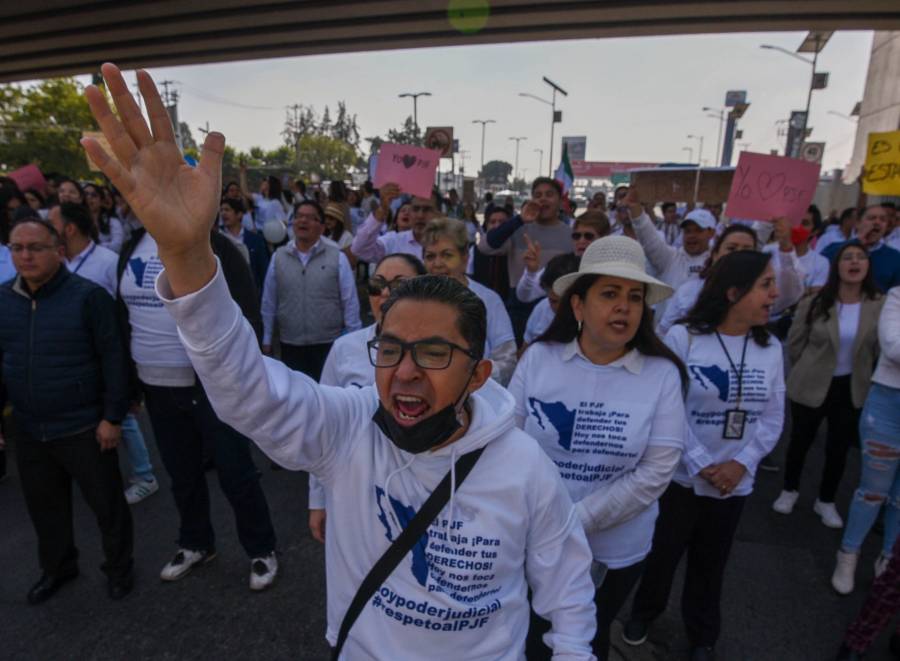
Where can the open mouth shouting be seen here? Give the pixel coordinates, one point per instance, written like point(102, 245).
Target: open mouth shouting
point(409, 409)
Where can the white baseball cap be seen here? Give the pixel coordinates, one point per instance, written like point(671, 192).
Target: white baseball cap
point(701, 217)
point(620, 257)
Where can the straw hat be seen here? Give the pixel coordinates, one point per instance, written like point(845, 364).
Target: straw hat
point(617, 256)
point(335, 211)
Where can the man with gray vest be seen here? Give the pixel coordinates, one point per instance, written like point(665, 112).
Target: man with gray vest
point(310, 292)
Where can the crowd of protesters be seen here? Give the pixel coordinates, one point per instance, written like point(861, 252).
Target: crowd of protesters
point(612, 381)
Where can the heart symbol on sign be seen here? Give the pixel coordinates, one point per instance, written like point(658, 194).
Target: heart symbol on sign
point(409, 161)
point(769, 186)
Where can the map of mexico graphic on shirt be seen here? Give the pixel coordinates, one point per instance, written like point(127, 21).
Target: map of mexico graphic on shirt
point(562, 419)
point(404, 515)
point(447, 558)
point(711, 374)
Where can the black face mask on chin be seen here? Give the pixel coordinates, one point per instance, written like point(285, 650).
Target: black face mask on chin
point(425, 434)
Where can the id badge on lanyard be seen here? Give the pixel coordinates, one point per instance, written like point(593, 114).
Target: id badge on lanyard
point(735, 421)
point(736, 418)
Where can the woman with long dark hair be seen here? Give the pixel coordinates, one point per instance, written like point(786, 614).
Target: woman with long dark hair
point(788, 276)
point(268, 203)
point(110, 233)
point(735, 412)
point(832, 346)
point(602, 395)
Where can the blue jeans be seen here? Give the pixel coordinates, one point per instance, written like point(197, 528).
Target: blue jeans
point(879, 432)
point(138, 457)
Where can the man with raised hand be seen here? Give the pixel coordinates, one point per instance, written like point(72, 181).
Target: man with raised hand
point(462, 589)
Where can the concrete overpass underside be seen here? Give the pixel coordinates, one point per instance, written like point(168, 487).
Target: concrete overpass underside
point(46, 38)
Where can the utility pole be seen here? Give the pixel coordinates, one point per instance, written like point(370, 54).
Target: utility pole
point(170, 100)
point(294, 127)
point(556, 88)
point(516, 169)
point(484, 123)
point(415, 97)
point(700, 148)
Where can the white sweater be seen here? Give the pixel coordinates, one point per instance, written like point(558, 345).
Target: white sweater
point(464, 587)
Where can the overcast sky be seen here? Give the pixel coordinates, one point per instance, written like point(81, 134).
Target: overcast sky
point(636, 99)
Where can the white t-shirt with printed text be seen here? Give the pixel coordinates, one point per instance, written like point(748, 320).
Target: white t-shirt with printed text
point(713, 390)
point(595, 422)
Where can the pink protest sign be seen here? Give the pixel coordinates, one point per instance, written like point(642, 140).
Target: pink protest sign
point(27, 177)
point(411, 168)
point(767, 187)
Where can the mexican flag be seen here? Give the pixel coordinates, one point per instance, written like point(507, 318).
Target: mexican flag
point(564, 171)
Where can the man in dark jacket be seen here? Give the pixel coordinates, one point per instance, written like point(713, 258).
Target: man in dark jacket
point(64, 367)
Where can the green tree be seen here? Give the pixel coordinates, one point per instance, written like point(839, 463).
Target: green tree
point(325, 156)
point(496, 172)
point(409, 134)
point(43, 125)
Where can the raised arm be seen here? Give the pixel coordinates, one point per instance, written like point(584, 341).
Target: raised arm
point(659, 253)
point(296, 422)
point(365, 245)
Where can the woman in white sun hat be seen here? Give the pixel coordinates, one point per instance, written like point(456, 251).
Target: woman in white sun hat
point(603, 396)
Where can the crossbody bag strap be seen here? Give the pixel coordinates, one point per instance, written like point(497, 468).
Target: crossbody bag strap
point(402, 545)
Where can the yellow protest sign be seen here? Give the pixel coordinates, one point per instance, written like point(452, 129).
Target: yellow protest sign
point(881, 173)
point(99, 137)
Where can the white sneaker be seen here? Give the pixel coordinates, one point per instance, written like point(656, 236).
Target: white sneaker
point(844, 572)
point(141, 489)
point(881, 564)
point(785, 502)
point(263, 571)
point(183, 562)
point(829, 514)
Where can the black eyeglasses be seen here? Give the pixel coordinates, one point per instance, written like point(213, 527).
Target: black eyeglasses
point(377, 284)
point(577, 236)
point(427, 354)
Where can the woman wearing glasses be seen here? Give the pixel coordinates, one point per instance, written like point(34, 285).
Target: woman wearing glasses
point(445, 248)
point(348, 364)
point(832, 346)
point(603, 396)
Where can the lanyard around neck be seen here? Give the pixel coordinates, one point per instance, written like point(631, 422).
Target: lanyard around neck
point(85, 258)
point(739, 373)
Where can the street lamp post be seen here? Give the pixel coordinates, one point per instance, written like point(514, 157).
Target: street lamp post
point(516, 169)
point(690, 151)
point(719, 114)
point(540, 160)
point(813, 43)
point(699, 138)
point(552, 104)
point(484, 123)
point(415, 97)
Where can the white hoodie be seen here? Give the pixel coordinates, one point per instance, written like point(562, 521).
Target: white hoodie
point(462, 591)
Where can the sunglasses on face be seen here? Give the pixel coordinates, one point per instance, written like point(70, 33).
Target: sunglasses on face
point(588, 236)
point(377, 285)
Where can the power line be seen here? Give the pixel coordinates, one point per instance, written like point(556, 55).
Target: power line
point(206, 96)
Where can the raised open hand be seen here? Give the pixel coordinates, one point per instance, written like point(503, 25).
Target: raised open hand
point(176, 202)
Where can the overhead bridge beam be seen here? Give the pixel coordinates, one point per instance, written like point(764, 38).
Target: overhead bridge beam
point(61, 37)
